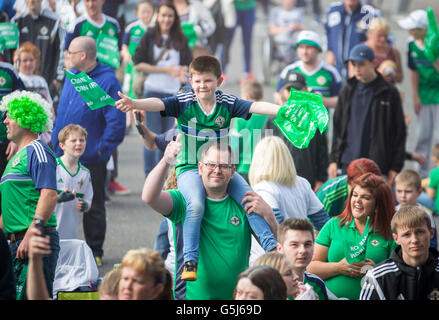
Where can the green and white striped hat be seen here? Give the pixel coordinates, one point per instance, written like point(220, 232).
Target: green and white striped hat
point(310, 38)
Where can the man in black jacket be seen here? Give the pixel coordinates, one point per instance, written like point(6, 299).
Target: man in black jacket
point(412, 271)
point(368, 119)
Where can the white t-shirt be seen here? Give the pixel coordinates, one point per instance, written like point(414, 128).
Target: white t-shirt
point(298, 201)
point(67, 217)
point(38, 84)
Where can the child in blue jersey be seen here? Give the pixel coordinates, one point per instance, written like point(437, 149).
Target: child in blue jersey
point(204, 114)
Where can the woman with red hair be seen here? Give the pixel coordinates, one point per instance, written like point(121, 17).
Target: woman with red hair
point(360, 237)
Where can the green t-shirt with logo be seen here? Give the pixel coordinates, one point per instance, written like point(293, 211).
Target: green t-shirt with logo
point(224, 249)
point(245, 135)
point(428, 76)
point(334, 237)
point(32, 168)
point(198, 127)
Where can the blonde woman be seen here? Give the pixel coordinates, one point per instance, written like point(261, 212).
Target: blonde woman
point(385, 52)
point(273, 176)
point(279, 262)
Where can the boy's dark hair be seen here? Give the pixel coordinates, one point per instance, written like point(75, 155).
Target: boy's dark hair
point(204, 64)
point(409, 177)
point(293, 224)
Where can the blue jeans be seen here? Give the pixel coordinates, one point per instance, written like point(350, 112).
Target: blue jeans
point(191, 186)
point(158, 124)
point(246, 19)
point(161, 244)
point(49, 261)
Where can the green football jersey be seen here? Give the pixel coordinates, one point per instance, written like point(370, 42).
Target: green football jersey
point(325, 79)
point(29, 170)
point(428, 76)
point(133, 32)
point(224, 250)
point(198, 127)
point(245, 136)
point(333, 194)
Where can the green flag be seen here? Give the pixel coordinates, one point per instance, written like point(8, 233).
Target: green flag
point(356, 251)
point(432, 37)
point(108, 50)
point(8, 35)
point(189, 32)
point(20, 270)
point(301, 116)
point(93, 95)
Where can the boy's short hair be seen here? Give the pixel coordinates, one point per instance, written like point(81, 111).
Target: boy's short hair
point(253, 89)
point(435, 151)
point(293, 224)
point(207, 63)
point(410, 217)
point(67, 130)
point(409, 177)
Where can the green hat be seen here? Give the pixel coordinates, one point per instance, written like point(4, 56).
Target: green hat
point(29, 110)
point(310, 38)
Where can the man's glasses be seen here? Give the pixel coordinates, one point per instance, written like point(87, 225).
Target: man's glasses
point(73, 52)
point(212, 166)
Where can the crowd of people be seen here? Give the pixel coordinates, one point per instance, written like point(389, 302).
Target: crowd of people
point(247, 214)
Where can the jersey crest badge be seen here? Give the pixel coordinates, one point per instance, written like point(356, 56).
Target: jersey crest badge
point(219, 121)
point(111, 32)
point(375, 242)
point(2, 81)
point(434, 295)
point(235, 221)
point(81, 183)
point(16, 161)
point(44, 30)
point(321, 80)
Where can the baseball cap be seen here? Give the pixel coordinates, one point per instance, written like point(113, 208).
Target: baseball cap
point(360, 53)
point(294, 79)
point(415, 20)
point(310, 38)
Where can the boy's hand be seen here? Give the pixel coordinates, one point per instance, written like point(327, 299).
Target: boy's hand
point(124, 104)
point(81, 205)
point(66, 196)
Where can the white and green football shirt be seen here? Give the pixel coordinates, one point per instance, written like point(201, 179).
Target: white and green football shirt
point(31, 169)
point(325, 79)
point(66, 215)
point(428, 75)
point(198, 127)
point(86, 27)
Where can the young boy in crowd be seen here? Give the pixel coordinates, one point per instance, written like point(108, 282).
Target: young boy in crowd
point(73, 181)
point(408, 188)
point(411, 272)
point(204, 114)
point(296, 242)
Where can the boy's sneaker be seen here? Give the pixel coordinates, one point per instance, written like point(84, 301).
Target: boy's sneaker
point(189, 271)
point(116, 188)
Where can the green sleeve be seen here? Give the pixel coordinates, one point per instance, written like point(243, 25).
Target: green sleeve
point(179, 207)
point(434, 179)
point(324, 237)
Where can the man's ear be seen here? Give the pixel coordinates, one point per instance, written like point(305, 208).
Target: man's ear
point(395, 237)
point(279, 248)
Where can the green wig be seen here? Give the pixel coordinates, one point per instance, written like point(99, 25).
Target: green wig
point(29, 110)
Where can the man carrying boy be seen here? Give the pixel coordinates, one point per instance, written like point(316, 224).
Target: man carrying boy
point(408, 187)
point(204, 114)
point(73, 181)
point(412, 270)
point(225, 234)
point(296, 242)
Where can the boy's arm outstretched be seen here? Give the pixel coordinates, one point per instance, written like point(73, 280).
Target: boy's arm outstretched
point(127, 104)
point(266, 108)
